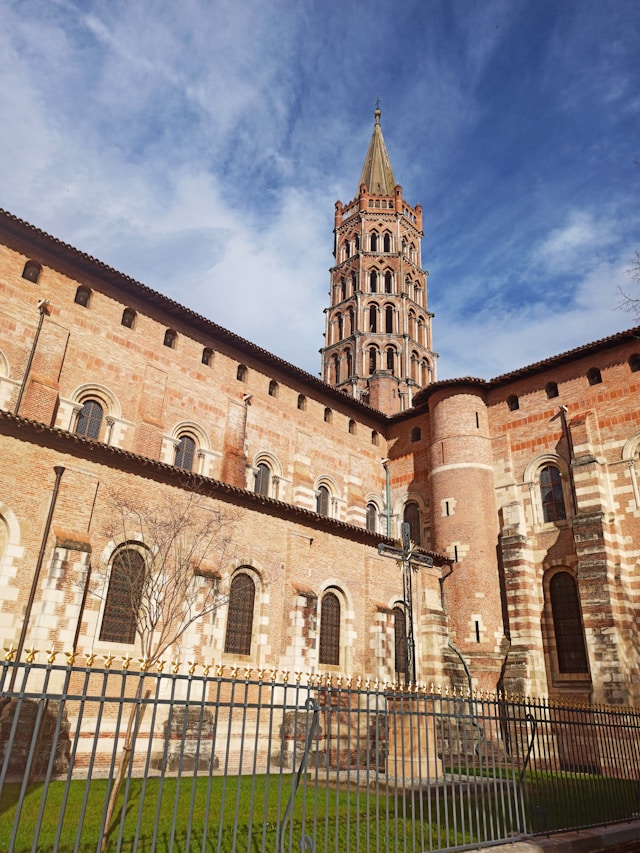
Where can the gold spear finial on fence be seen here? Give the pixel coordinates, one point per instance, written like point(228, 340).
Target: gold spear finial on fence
point(108, 660)
point(10, 652)
point(206, 668)
point(220, 670)
point(71, 658)
point(160, 664)
point(31, 655)
point(52, 653)
point(247, 672)
point(175, 666)
point(126, 661)
point(192, 666)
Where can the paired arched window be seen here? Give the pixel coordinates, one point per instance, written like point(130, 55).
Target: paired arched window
point(411, 516)
point(242, 596)
point(372, 517)
point(31, 271)
point(329, 651)
point(567, 624)
point(551, 494)
point(185, 453)
point(128, 318)
point(400, 640)
point(83, 296)
point(336, 369)
point(323, 500)
point(349, 361)
point(262, 480)
point(124, 595)
point(89, 421)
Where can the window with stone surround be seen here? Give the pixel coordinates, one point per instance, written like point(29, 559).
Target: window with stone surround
point(122, 604)
point(242, 595)
point(90, 418)
point(185, 453)
point(571, 653)
point(551, 494)
point(329, 646)
point(262, 482)
point(323, 500)
point(372, 517)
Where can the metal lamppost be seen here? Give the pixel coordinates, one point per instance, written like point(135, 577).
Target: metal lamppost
point(410, 559)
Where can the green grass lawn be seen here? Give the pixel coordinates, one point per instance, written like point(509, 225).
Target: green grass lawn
point(199, 815)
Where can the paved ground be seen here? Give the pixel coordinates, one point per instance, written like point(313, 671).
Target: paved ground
point(622, 838)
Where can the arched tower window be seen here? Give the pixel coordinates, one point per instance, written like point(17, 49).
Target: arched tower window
point(372, 517)
point(372, 360)
point(634, 362)
point(185, 453)
point(373, 281)
point(388, 282)
point(242, 595)
point(339, 323)
point(388, 319)
point(373, 318)
point(373, 241)
point(391, 359)
point(351, 321)
point(386, 242)
point(551, 494)
point(411, 516)
point(273, 388)
point(89, 421)
point(124, 594)
point(241, 373)
point(336, 369)
point(400, 640)
point(567, 624)
point(343, 288)
point(329, 652)
point(513, 403)
point(349, 361)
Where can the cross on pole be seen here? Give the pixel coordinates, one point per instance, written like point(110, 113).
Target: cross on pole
point(410, 560)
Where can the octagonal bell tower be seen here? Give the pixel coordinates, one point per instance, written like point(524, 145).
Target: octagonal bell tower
point(378, 344)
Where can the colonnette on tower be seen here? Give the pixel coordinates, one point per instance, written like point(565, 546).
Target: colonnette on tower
point(524, 489)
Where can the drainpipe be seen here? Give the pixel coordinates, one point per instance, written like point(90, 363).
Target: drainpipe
point(387, 487)
point(44, 308)
point(449, 643)
point(59, 469)
point(567, 434)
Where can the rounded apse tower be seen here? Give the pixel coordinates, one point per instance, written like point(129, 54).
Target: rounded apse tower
point(464, 524)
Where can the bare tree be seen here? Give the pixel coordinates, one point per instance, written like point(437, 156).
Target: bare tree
point(629, 302)
point(159, 581)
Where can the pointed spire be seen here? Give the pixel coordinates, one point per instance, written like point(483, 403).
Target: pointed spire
point(377, 174)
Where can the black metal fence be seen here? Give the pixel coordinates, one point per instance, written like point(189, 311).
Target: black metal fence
point(115, 759)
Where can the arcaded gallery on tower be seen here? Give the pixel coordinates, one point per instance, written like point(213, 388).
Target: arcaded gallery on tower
point(523, 489)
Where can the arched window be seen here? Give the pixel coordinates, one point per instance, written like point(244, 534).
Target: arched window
point(400, 640)
point(388, 282)
point(351, 321)
point(207, 356)
point(347, 248)
point(552, 390)
point(513, 403)
point(185, 453)
point(373, 318)
point(594, 376)
point(262, 480)
point(375, 437)
point(372, 360)
point(373, 281)
point(411, 516)
point(634, 363)
point(83, 296)
point(416, 434)
point(343, 288)
point(322, 500)
point(388, 319)
point(352, 426)
point(329, 652)
point(128, 318)
point(567, 624)
point(349, 361)
point(31, 271)
point(241, 373)
point(357, 242)
point(373, 241)
point(170, 338)
point(90, 419)
point(386, 242)
point(122, 604)
point(302, 402)
point(553, 508)
point(273, 388)
point(242, 596)
point(328, 416)
point(336, 369)
point(340, 325)
point(391, 359)
point(372, 517)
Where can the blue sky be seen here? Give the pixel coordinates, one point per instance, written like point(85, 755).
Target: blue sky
point(200, 147)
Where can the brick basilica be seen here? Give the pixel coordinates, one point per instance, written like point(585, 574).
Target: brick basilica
point(524, 489)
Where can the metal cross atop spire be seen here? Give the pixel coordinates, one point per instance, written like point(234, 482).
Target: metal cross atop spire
point(410, 559)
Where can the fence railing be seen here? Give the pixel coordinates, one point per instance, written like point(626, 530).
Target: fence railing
point(216, 762)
